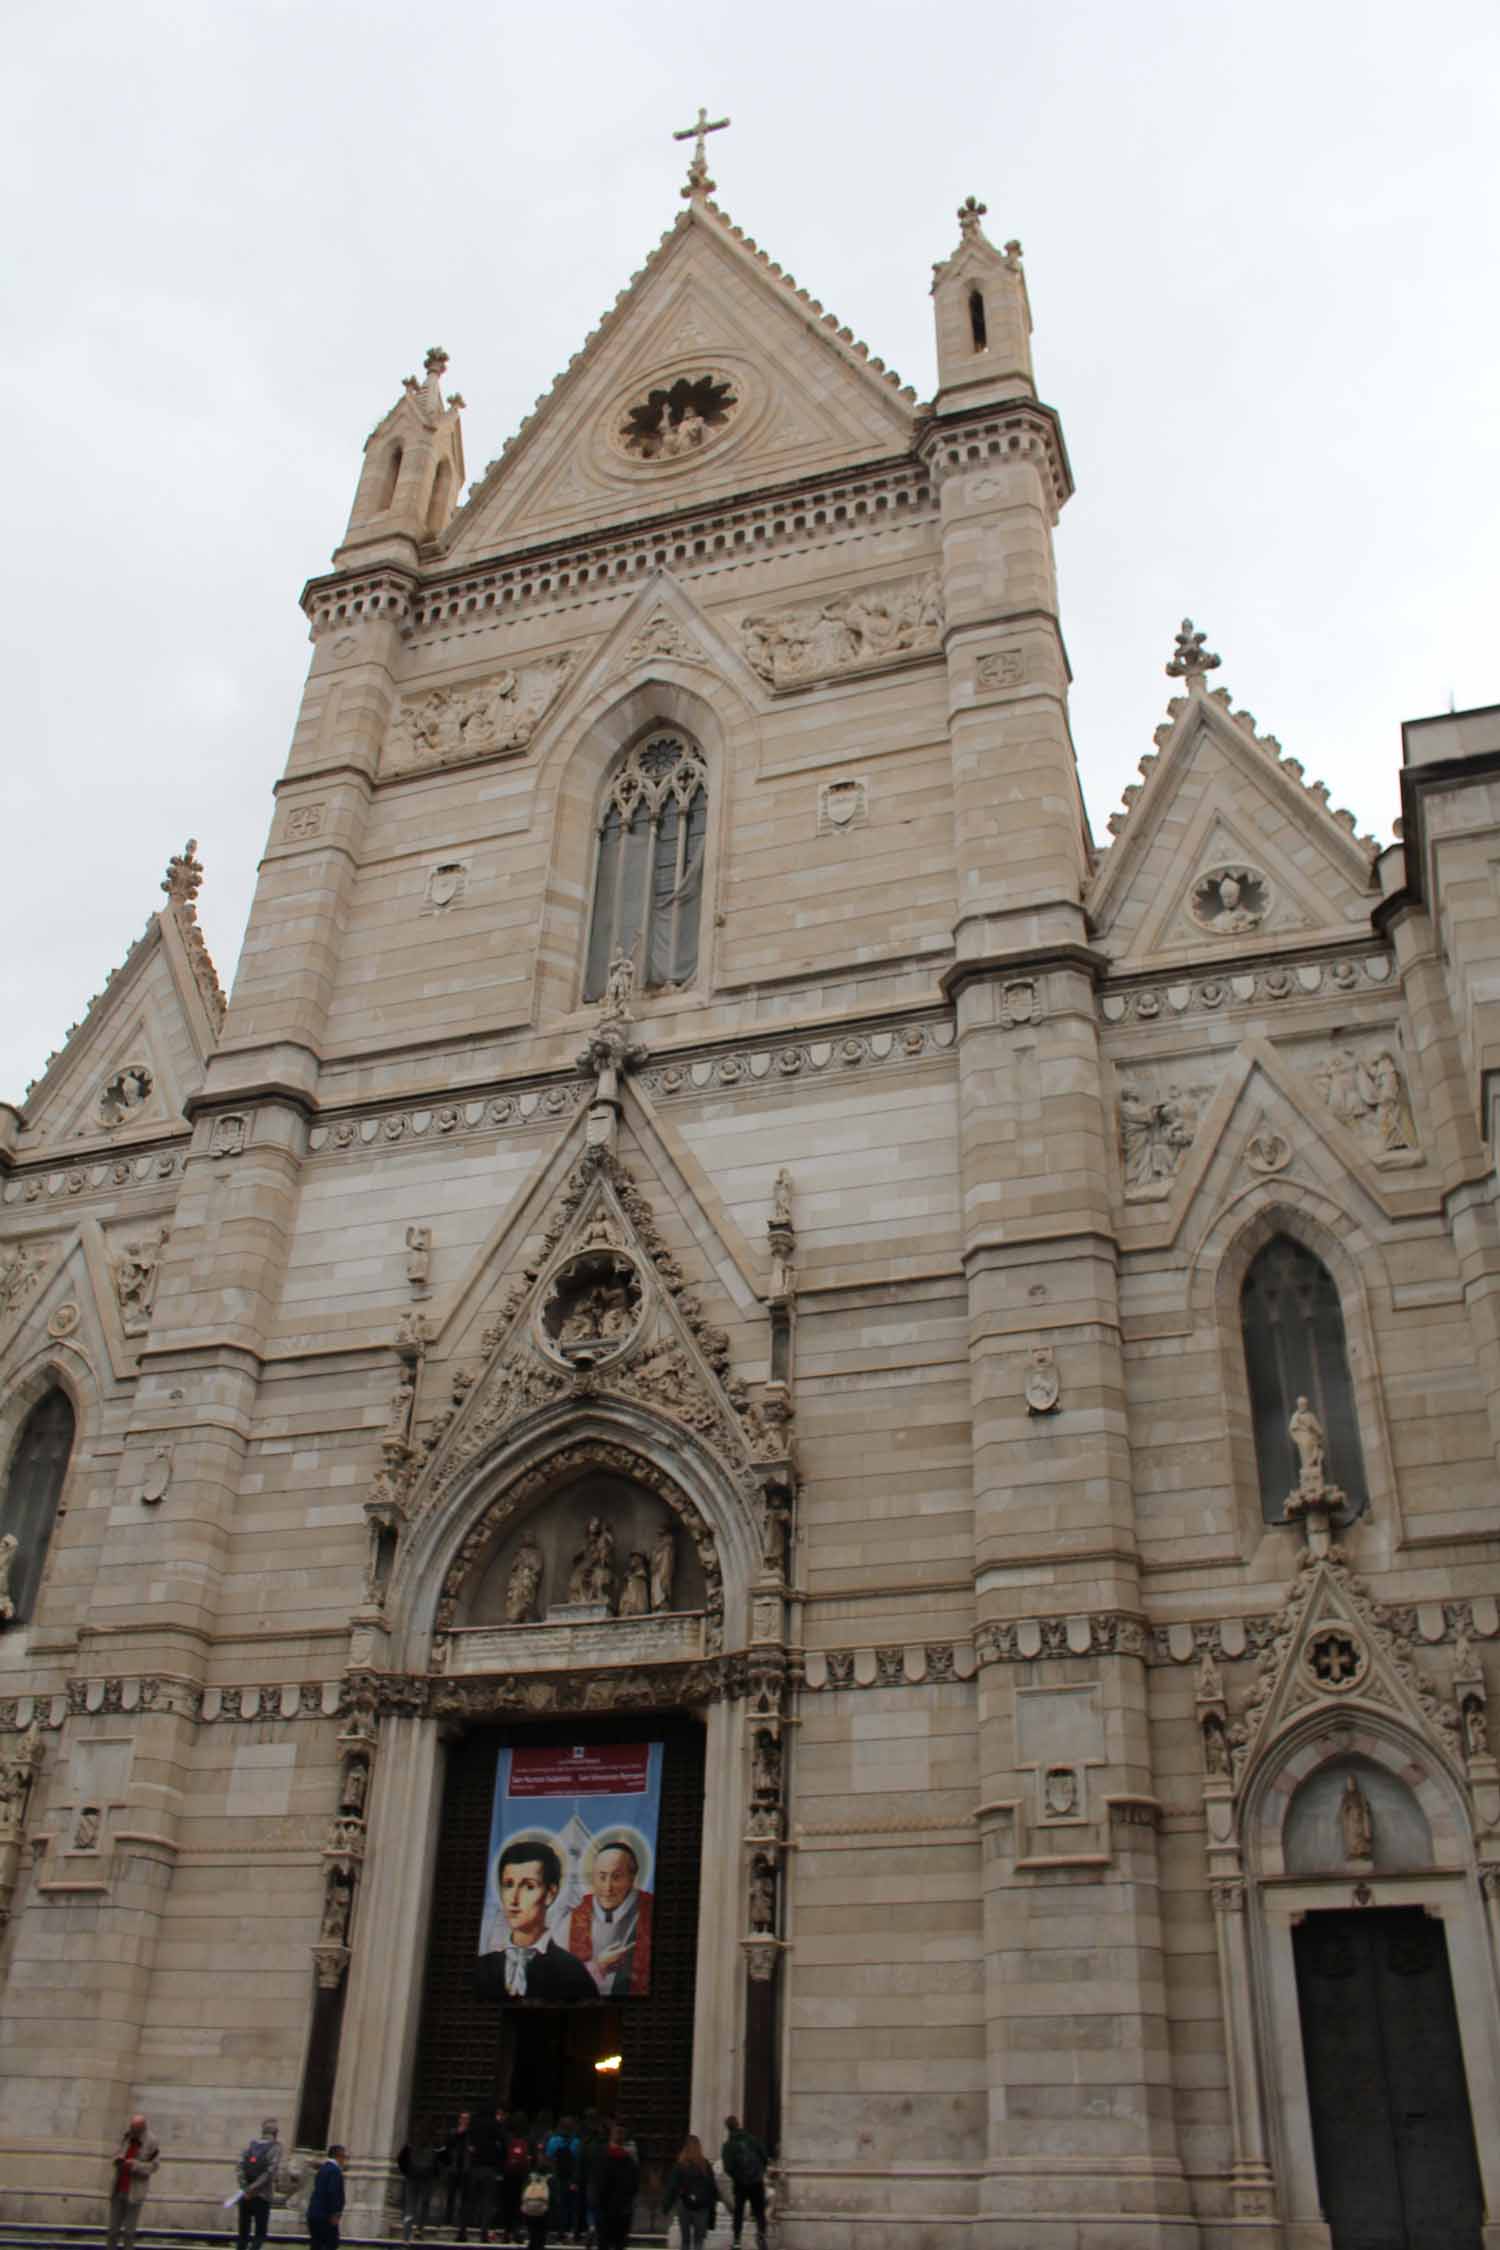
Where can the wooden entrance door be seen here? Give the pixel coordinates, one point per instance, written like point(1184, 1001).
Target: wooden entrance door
point(1390, 2106)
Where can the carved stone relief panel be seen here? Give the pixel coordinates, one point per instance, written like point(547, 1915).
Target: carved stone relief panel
point(1160, 1110)
point(872, 625)
point(843, 804)
point(1364, 1084)
point(1229, 901)
point(484, 719)
point(677, 420)
point(125, 1096)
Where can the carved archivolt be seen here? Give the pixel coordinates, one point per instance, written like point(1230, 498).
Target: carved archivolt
point(563, 1468)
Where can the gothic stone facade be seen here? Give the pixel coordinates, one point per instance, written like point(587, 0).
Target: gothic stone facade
point(930, 1160)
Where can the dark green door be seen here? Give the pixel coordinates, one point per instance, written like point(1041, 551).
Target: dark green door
point(1392, 2132)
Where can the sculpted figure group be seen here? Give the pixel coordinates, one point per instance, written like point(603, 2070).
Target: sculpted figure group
point(593, 1579)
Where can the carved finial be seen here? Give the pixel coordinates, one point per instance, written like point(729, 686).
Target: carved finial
point(970, 212)
point(184, 877)
point(698, 181)
point(1190, 659)
point(1013, 255)
point(436, 361)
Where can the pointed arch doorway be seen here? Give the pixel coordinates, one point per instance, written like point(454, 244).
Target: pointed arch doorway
point(475, 2047)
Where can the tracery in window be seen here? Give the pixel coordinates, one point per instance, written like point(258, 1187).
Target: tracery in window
point(1295, 1348)
point(648, 890)
point(33, 1488)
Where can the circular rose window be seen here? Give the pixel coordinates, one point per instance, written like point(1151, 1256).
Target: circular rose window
point(674, 420)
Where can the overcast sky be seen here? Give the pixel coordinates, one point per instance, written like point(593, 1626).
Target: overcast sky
point(1261, 245)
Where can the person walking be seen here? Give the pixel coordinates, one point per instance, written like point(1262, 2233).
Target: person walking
point(455, 2156)
point(591, 2169)
point(619, 2178)
point(260, 2161)
point(418, 2165)
point(515, 2165)
point(692, 2192)
point(745, 2160)
point(541, 2202)
point(487, 2139)
point(325, 2206)
point(135, 2160)
point(564, 2152)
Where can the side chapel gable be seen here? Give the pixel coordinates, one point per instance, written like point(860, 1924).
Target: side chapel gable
point(1222, 843)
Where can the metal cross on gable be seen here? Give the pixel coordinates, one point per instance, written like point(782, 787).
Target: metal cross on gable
point(698, 181)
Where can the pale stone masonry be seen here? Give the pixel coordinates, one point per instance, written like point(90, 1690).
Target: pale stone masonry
point(1027, 1706)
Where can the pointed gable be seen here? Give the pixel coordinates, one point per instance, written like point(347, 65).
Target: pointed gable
point(1224, 846)
point(758, 384)
point(140, 1050)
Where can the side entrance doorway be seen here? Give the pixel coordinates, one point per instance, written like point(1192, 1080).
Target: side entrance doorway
point(1391, 2125)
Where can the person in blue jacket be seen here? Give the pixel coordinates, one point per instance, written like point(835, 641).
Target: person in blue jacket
point(326, 2203)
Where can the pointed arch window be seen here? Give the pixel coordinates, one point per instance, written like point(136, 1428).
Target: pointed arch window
point(648, 889)
point(1295, 1347)
point(33, 1489)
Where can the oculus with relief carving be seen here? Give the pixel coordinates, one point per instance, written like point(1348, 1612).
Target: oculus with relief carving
point(593, 1309)
point(1230, 900)
point(674, 421)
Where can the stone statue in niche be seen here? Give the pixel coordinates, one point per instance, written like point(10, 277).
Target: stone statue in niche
point(593, 1574)
point(1476, 1728)
point(356, 1787)
point(1369, 1096)
point(1215, 1746)
point(1156, 1133)
point(1307, 1435)
point(762, 1892)
point(635, 1594)
point(663, 1568)
point(419, 1260)
point(593, 1307)
point(1356, 1822)
point(619, 988)
point(135, 1274)
point(336, 1907)
point(765, 1764)
point(126, 1094)
point(9, 1548)
point(523, 1588)
point(86, 1830)
point(1230, 901)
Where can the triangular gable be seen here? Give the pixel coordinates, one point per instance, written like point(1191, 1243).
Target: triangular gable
point(1251, 1113)
point(1224, 848)
point(139, 1051)
point(661, 627)
point(806, 397)
point(601, 1307)
point(1336, 1647)
point(55, 1292)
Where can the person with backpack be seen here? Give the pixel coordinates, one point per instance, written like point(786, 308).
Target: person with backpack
point(692, 2192)
point(745, 2160)
point(418, 2166)
point(515, 2165)
point(540, 2204)
point(564, 2151)
point(619, 2178)
point(260, 2162)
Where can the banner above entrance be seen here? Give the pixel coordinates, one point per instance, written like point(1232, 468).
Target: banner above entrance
point(569, 1892)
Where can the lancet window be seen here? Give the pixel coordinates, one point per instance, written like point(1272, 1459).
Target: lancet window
point(648, 891)
point(1295, 1348)
point(33, 1489)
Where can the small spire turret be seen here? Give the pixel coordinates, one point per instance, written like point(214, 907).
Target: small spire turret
point(983, 318)
point(413, 471)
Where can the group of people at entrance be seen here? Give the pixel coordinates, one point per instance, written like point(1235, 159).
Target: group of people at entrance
point(507, 2176)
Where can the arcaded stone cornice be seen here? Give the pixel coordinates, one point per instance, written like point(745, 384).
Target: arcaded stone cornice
point(724, 533)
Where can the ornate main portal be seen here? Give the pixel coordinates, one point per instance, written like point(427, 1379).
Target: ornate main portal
point(476, 2047)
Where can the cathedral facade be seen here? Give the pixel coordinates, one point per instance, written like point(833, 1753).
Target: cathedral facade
point(738, 1326)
